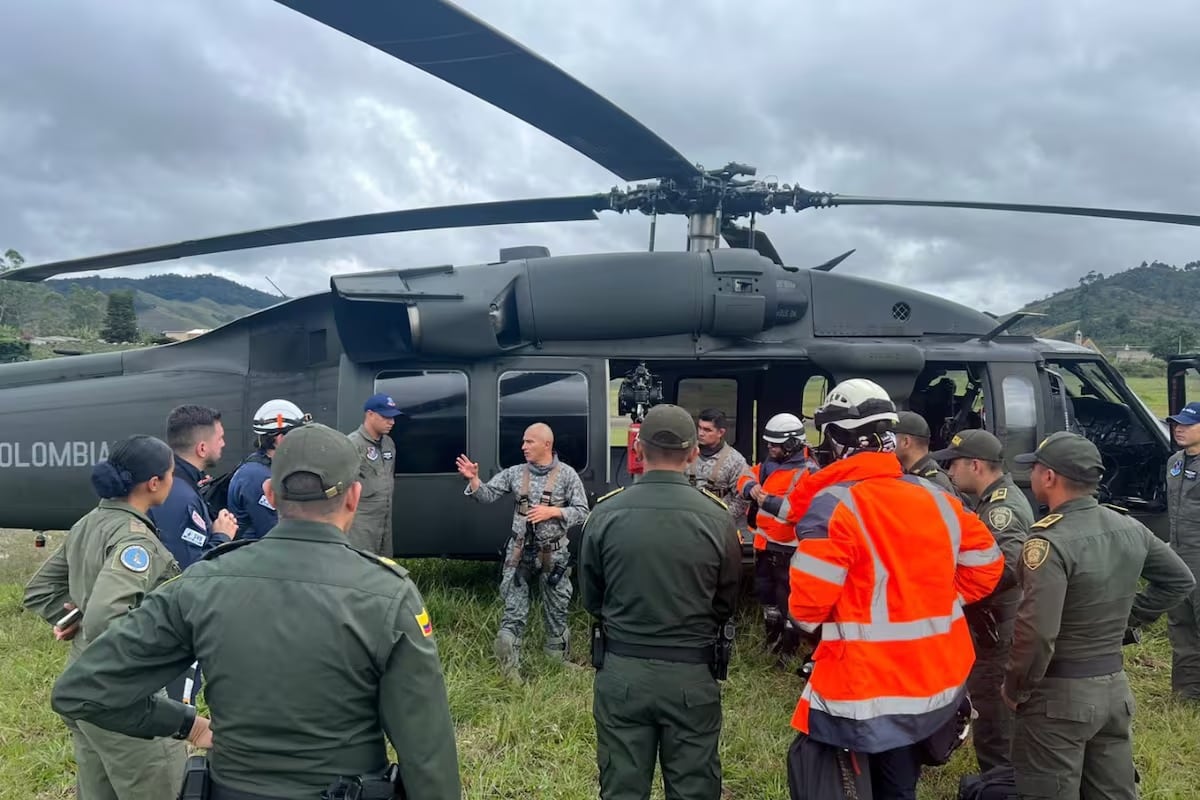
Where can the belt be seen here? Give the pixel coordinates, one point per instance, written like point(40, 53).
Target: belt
point(548, 546)
point(684, 655)
point(218, 792)
point(1086, 668)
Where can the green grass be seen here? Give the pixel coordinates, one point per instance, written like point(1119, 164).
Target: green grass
point(538, 740)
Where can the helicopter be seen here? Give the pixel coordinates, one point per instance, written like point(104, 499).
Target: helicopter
point(474, 353)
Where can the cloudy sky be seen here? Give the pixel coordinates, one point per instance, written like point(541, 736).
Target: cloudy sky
point(130, 123)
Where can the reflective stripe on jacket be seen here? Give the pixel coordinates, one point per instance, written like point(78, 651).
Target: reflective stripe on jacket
point(771, 523)
point(883, 567)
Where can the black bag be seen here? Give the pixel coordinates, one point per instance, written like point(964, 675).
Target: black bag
point(818, 771)
point(215, 493)
point(939, 747)
point(998, 783)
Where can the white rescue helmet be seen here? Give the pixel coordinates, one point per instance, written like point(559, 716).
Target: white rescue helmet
point(782, 427)
point(278, 416)
point(855, 403)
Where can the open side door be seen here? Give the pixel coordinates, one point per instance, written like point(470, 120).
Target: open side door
point(1183, 381)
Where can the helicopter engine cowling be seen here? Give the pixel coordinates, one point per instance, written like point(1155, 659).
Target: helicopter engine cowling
point(487, 309)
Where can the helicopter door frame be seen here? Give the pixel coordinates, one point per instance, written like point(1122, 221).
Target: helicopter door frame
point(1178, 367)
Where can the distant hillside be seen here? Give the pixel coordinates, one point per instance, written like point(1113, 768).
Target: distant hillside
point(76, 306)
point(1139, 307)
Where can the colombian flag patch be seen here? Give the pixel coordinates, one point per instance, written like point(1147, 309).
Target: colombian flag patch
point(424, 622)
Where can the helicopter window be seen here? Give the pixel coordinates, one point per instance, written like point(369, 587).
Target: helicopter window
point(698, 394)
point(815, 390)
point(1020, 402)
point(559, 399)
point(433, 430)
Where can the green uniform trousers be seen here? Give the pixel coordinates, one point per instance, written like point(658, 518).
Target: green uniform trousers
point(991, 733)
point(647, 710)
point(1183, 630)
point(113, 766)
point(1071, 740)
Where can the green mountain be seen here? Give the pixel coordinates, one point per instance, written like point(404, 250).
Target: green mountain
point(1151, 306)
point(77, 306)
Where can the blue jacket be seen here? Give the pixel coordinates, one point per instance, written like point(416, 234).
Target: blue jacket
point(183, 523)
point(255, 515)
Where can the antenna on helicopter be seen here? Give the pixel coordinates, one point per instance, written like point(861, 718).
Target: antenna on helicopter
point(281, 294)
point(1008, 323)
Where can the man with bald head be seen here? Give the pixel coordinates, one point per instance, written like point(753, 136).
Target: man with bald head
point(550, 499)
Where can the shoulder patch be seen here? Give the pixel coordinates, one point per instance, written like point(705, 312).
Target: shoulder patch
point(424, 621)
point(137, 526)
point(134, 557)
point(715, 499)
point(610, 494)
point(1116, 508)
point(1046, 521)
point(999, 494)
point(1035, 552)
point(225, 547)
point(384, 560)
point(1000, 517)
point(929, 473)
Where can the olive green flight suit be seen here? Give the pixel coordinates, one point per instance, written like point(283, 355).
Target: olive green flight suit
point(1008, 515)
point(371, 529)
point(659, 566)
point(109, 562)
point(313, 652)
point(1183, 621)
point(1079, 573)
point(929, 469)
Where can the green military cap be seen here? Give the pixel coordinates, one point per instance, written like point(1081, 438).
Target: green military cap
point(320, 450)
point(912, 424)
point(972, 443)
point(668, 427)
point(1068, 454)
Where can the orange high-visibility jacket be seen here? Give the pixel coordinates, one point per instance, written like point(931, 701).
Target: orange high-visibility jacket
point(771, 526)
point(884, 564)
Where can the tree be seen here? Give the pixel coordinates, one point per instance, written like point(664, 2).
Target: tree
point(120, 324)
point(1172, 339)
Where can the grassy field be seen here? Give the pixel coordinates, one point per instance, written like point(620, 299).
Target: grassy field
point(538, 740)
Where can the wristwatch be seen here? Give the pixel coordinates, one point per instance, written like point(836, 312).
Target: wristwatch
point(185, 728)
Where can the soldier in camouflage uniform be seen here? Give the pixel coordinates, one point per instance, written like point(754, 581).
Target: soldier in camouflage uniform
point(550, 500)
point(1183, 511)
point(371, 529)
point(110, 560)
point(976, 466)
point(719, 466)
point(912, 448)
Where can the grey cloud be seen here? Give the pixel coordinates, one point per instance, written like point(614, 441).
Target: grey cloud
point(141, 122)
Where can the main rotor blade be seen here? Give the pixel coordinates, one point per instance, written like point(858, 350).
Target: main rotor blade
point(448, 43)
point(504, 212)
point(737, 236)
point(821, 200)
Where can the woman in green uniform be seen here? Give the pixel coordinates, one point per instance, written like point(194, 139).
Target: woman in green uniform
point(108, 562)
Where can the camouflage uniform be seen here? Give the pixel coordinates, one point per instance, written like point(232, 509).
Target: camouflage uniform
point(110, 560)
point(544, 553)
point(718, 472)
point(372, 526)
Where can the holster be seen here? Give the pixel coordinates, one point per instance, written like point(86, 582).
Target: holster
point(722, 651)
point(597, 644)
point(368, 787)
point(196, 785)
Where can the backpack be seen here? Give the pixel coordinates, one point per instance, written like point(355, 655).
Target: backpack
point(998, 783)
point(215, 493)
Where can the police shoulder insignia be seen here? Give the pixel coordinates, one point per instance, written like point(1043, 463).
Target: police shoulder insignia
point(1000, 517)
point(929, 473)
point(1046, 521)
point(225, 547)
point(384, 560)
point(1116, 508)
point(135, 558)
point(424, 621)
point(714, 498)
point(1035, 552)
point(137, 526)
point(602, 498)
point(998, 495)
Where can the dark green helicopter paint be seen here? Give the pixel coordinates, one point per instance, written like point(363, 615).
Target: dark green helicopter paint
point(475, 353)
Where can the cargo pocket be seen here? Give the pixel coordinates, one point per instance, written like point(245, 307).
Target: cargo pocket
point(1070, 710)
point(1036, 785)
point(703, 704)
